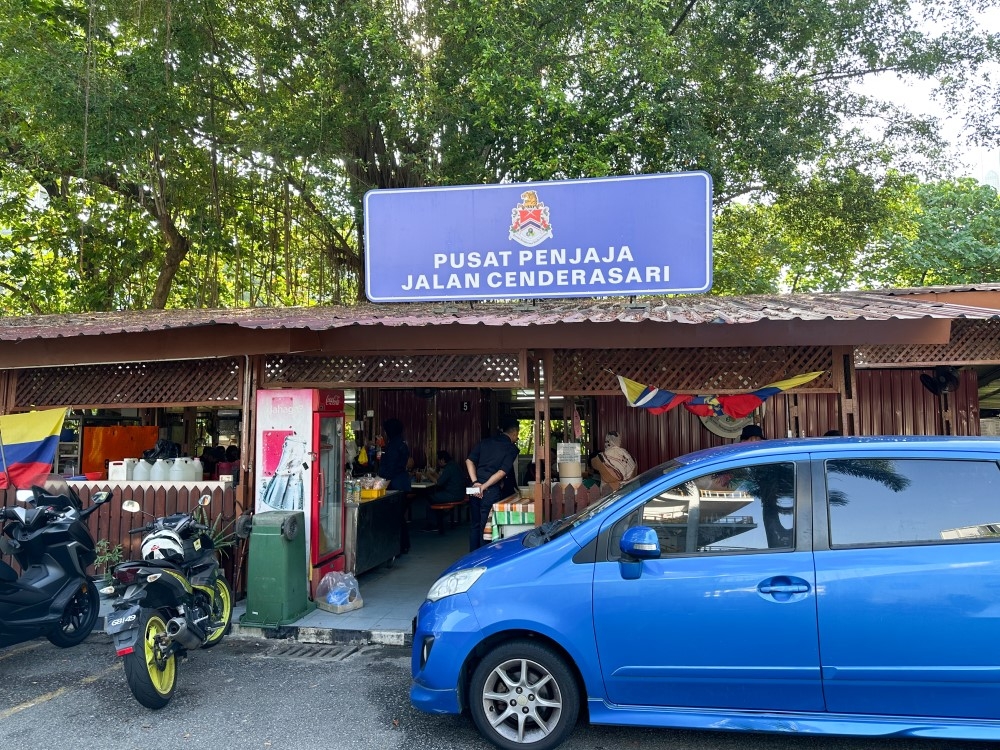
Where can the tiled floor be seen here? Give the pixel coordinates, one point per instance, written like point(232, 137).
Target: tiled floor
point(392, 596)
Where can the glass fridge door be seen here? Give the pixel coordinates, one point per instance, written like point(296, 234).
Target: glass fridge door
point(329, 487)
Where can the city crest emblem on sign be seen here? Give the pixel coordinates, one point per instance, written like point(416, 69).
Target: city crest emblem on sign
point(530, 220)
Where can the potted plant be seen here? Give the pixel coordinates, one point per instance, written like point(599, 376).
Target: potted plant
point(107, 558)
point(222, 534)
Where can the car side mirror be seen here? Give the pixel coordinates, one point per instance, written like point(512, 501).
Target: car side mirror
point(640, 543)
point(637, 544)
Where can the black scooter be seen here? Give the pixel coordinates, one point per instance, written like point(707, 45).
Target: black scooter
point(53, 597)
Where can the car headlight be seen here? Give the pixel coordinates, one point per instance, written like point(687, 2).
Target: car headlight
point(454, 583)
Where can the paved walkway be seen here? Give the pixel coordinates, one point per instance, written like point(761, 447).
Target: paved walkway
point(391, 597)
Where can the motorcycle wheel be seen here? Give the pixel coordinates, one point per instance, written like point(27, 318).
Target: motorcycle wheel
point(222, 611)
point(79, 617)
point(151, 677)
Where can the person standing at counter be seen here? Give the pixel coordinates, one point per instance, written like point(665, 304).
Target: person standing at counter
point(394, 467)
point(489, 463)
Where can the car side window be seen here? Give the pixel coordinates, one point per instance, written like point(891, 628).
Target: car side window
point(912, 501)
point(744, 509)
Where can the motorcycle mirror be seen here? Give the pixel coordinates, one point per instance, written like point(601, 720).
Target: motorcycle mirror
point(131, 506)
point(24, 496)
point(204, 500)
point(102, 497)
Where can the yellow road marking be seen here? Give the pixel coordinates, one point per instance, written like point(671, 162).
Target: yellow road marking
point(56, 693)
point(21, 649)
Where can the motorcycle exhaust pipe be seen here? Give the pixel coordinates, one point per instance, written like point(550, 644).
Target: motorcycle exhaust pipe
point(179, 630)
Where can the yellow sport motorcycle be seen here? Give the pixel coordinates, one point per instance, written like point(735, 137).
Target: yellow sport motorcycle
point(173, 600)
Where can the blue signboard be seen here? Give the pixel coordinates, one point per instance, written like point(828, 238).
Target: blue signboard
point(614, 236)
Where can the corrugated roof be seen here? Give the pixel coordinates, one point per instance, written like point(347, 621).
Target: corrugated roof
point(942, 289)
point(692, 310)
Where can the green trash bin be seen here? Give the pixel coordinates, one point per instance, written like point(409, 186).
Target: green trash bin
point(277, 570)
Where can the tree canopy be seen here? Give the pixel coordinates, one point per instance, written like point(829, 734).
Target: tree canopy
point(216, 154)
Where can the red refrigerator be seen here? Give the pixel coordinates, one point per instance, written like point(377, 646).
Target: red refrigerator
point(300, 466)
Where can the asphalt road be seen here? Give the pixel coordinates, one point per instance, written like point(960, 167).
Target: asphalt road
point(248, 694)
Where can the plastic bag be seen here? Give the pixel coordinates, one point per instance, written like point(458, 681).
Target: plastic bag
point(338, 588)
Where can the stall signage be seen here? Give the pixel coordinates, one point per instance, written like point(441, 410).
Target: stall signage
point(615, 236)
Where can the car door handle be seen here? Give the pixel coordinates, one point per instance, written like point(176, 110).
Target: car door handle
point(783, 588)
point(789, 588)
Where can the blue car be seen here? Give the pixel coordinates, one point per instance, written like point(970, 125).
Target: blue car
point(823, 586)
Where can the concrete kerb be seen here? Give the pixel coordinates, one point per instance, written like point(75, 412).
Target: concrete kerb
point(303, 634)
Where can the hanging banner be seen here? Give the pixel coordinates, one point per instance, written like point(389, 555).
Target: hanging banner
point(614, 236)
point(735, 405)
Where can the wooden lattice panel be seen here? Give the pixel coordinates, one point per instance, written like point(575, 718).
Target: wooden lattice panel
point(458, 369)
point(973, 342)
point(195, 382)
point(693, 370)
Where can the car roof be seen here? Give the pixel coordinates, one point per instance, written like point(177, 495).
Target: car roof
point(844, 446)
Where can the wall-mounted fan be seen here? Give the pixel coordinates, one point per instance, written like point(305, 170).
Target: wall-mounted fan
point(944, 380)
point(424, 392)
point(726, 426)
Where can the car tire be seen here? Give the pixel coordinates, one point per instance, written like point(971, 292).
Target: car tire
point(523, 695)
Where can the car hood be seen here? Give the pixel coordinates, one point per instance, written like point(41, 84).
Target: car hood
point(490, 555)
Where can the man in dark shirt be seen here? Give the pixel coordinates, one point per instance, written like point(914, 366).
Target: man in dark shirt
point(489, 463)
point(450, 484)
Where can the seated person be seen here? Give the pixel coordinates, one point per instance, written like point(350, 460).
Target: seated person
point(614, 464)
point(449, 487)
point(208, 462)
point(219, 454)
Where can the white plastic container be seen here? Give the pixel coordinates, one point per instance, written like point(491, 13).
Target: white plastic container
point(179, 470)
point(161, 470)
point(140, 473)
point(197, 470)
point(123, 470)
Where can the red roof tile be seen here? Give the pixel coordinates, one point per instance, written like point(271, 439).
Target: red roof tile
point(692, 310)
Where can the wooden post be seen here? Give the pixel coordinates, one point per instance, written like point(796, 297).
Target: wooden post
point(845, 381)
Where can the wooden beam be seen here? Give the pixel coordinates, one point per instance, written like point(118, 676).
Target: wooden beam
point(229, 340)
point(644, 335)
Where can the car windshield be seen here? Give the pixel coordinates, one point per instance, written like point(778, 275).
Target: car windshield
point(552, 529)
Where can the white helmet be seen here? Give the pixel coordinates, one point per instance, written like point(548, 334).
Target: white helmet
point(163, 545)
